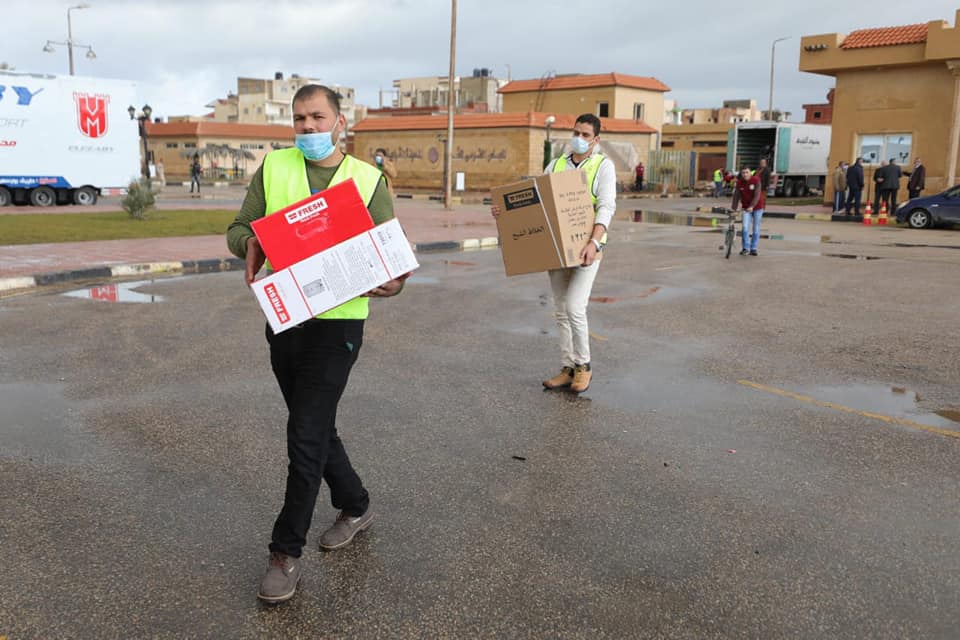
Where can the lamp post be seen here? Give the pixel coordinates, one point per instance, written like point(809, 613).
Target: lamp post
point(142, 118)
point(70, 44)
point(547, 145)
point(448, 149)
point(773, 51)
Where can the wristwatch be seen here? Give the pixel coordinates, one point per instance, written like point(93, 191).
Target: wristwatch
point(597, 244)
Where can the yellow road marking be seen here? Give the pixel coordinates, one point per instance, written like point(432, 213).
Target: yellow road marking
point(596, 337)
point(839, 407)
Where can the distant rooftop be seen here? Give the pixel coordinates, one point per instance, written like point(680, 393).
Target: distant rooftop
point(885, 36)
point(579, 81)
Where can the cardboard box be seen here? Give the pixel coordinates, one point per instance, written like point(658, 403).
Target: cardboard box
point(335, 275)
point(544, 222)
point(316, 223)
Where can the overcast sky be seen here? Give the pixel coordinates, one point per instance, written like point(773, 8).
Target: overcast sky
point(185, 53)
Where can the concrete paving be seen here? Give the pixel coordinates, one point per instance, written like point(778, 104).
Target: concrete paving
point(766, 451)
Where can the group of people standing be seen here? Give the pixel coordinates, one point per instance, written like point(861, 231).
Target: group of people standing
point(848, 184)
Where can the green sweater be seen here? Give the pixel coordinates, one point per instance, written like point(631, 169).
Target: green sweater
point(255, 205)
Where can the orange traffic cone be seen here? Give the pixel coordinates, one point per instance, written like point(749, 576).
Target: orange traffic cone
point(883, 213)
point(868, 215)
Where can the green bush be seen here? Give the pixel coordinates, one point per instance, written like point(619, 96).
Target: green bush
point(139, 199)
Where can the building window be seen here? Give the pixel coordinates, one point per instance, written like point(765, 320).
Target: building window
point(710, 143)
point(189, 145)
point(246, 111)
point(877, 147)
point(603, 109)
point(259, 109)
point(666, 143)
point(173, 145)
point(817, 115)
point(638, 109)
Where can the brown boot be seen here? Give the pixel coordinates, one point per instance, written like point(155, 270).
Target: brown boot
point(581, 378)
point(562, 379)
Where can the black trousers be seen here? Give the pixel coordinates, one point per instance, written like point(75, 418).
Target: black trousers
point(312, 364)
point(889, 196)
point(853, 200)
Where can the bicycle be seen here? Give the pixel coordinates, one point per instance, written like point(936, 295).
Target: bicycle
point(730, 234)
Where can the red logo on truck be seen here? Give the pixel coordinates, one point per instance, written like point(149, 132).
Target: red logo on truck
point(276, 303)
point(92, 113)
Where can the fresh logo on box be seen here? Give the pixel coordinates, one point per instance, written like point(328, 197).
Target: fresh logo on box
point(278, 307)
point(306, 212)
point(519, 199)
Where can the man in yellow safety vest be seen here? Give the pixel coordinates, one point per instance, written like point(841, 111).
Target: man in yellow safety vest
point(312, 361)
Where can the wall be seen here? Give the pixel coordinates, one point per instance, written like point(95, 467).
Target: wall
point(568, 101)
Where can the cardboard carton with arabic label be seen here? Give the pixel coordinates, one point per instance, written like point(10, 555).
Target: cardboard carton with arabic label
point(544, 222)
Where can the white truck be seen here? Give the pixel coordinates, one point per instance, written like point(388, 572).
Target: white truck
point(65, 139)
point(796, 153)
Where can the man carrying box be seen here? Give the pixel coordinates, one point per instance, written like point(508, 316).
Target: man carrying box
point(312, 361)
point(571, 286)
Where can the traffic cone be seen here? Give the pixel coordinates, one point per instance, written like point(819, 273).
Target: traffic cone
point(883, 213)
point(868, 215)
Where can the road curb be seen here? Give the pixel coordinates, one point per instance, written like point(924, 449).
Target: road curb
point(209, 265)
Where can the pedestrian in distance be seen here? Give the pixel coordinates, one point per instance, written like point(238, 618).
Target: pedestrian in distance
point(195, 171)
point(763, 172)
point(854, 186)
point(878, 178)
point(386, 166)
point(718, 180)
point(749, 196)
point(917, 181)
point(890, 184)
point(312, 361)
point(571, 287)
point(638, 172)
point(839, 186)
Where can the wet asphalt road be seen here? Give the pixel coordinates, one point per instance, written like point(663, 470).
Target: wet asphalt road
point(142, 456)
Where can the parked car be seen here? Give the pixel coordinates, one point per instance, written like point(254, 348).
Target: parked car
point(930, 210)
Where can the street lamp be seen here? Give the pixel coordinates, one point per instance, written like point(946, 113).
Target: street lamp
point(773, 50)
point(70, 44)
point(547, 145)
point(142, 118)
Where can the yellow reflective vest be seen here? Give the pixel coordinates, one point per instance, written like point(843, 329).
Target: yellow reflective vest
point(285, 182)
point(590, 166)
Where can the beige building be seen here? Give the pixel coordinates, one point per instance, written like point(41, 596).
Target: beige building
point(227, 151)
point(477, 92)
point(732, 112)
point(708, 141)
point(267, 101)
point(490, 149)
point(607, 95)
point(897, 96)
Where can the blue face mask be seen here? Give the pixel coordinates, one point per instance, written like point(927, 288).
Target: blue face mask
point(579, 145)
point(315, 146)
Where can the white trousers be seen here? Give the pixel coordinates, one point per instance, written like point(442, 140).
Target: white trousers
point(571, 293)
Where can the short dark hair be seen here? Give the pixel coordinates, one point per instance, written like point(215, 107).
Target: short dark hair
point(310, 90)
point(381, 150)
point(590, 119)
point(893, 160)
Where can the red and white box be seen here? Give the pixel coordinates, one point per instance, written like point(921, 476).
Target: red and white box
point(334, 275)
point(316, 223)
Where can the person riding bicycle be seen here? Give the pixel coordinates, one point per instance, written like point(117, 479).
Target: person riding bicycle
point(749, 195)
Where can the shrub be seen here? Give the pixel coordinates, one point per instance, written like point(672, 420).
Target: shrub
point(139, 199)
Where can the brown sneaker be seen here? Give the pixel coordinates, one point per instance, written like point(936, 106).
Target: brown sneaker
point(344, 529)
point(280, 581)
point(581, 378)
point(562, 379)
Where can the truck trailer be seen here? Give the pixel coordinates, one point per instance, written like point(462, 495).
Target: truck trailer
point(796, 153)
point(65, 139)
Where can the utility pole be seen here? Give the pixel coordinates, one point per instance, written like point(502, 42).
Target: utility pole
point(773, 50)
point(448, 151)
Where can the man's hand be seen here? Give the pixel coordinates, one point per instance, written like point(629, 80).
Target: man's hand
point(255, 258)
point(495, 211)
point(588, 254)
point(387, 289)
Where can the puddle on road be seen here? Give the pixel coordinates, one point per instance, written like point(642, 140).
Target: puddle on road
point(36, 426)
point(898, 402)
point(850, 256)
point(122, 292)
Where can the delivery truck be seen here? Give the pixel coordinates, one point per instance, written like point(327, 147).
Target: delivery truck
point(796, 153)
point(65, 139)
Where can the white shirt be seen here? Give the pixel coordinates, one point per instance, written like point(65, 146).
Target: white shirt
point(604, 187)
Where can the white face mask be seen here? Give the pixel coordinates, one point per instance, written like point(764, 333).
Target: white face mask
point(579, 145)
